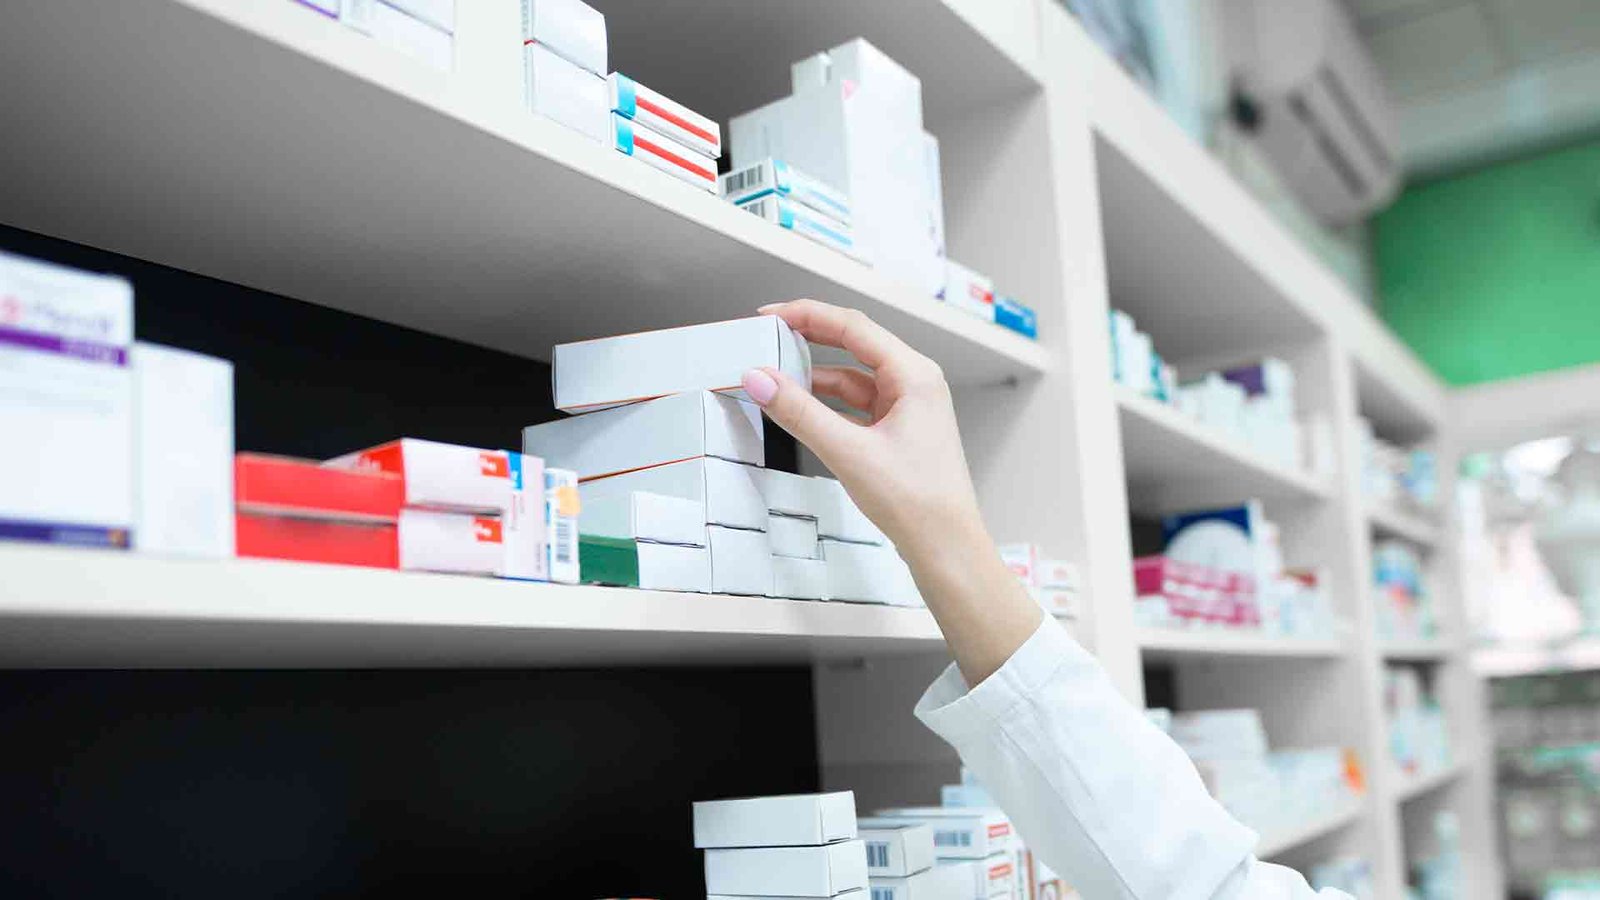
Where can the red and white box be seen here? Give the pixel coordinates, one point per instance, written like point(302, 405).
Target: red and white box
point(316, 540)
point(664, 115)
point(968, 291)
point(299, 488)
point(467, 544)
point(662, 152)
point(1022, 560)
point(440, 476)
point(960, 833)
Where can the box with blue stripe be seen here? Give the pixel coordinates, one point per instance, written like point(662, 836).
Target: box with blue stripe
point(804, 220)
point(774, 176)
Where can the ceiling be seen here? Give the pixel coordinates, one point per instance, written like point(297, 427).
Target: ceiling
point(1479, 79)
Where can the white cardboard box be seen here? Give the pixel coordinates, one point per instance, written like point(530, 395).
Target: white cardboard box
point(896, 848)
point(937, 883)
point(787, 493)
point(673, 567)
point(741, 561)
point(440, 476)
point(790, 820)
point(803, 220)
point(839, 518)
point(793, 536)
point(463, 543)
point(559, 90)
point(656, 432)
point(406, 33)
point(823, 871)
point(64, 342)
point(441, 14)
point(605, 372)
point(727, 489)
point(868, 573)
point(183, 453)
point(658, 518)
point(774, 176)
point(664, 115)
point(571, 28)
point(799, 579)
point(968, 291)
point(995, 876)
point(655, 149)
point(562, 505)
point(960, 833)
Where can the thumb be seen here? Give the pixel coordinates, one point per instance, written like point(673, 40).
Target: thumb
point(799, 413)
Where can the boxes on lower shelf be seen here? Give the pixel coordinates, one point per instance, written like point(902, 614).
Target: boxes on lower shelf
point(505, 546)
point(959, 833)
point(896, 848)
point(790, 820)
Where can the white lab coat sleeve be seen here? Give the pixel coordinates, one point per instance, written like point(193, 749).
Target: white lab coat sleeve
point(1097, 792)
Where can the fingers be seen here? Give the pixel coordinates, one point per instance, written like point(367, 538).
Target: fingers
point(856, 388)
point(847, 329)
point(828, 434)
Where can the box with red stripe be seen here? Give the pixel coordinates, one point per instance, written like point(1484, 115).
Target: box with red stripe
point(664, 116)
point(663, 153)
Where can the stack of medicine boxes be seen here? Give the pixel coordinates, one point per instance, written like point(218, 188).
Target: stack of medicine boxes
point(976, 842)
point(787, 197)
point(1054, 583)
point(662, 133)
point(671, 461)
point(900, 863)
point(1033, 879)
point(564, 65)
point(800, 845)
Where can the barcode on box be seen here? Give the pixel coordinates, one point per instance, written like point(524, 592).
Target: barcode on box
point(952, 839)
point(882, 893)
point(564, 543)
point(877, 854)
point(734, 182)
point(766, 208)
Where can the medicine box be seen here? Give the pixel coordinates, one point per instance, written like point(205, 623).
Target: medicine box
point(463, 543)
point(663, 115)
point(774, 176)
point(741, 561)
point(314, 540)
point(183, 453)
point(440, 476)
point(787, 493)
point(283, 486)
point(937, 883)
point(896, 848)
point(400, 30)
point(1022, 560)
point(562, 504)
point(995, 876)
point(867, 573)
point(804, 221)
point(799, 579)
point(571, 28)
point(640, 435)
point(960, 833)
point(633, 139)
point(839, 518)
point(557, 89)
point(441, 14)
point(822, 871)
point(1017, 316)
point(726, 489)
point(658, 518)
point(611, 371)
point(64, 341)
point(793, 536)
point(968, 291)
point(641, 564)
point(790, 820)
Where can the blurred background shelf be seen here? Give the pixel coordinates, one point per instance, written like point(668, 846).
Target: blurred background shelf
point(1275, 843)
point(1165, 643)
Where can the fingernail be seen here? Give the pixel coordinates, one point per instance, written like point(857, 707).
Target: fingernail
point(761, 386)
point(768, 308)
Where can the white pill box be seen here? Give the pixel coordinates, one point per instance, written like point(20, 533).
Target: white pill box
point(183, 453)
point(571, 28)
point(793, 536)
point(774, 176)
point(968, 291)
point(839, 518)
point(633, 139)
point(727, 490)
point(803, 220)
point(741, 561)
point(564, 92)
point(868, 573)
point(65, 337)
point(896, 848)
point(823, 871)
point(561, 508)
point(959, 833)
point(402, 31)
point(663, 115)
point(790, 820)
point(995, 876)
point(799, 579)
point(656, 432)
point(441, 14)
point(789, 494)
point(510, 544)
point(937, 883)
point(611, 371)
point(651, 517)
point(441, 476)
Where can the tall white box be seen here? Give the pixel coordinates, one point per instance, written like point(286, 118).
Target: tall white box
point(571, 28)
point(611, 371)
point(183, 453)
point(824, 871)
point(741, 561)
point(896, 848)
point(557, 89)
point(640, 435)
point(66, 455)
point(727, 489)
point(791, 820)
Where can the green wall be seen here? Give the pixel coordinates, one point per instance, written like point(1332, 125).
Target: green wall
point(1496, 273)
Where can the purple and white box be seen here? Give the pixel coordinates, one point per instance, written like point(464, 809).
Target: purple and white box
point(66, 459)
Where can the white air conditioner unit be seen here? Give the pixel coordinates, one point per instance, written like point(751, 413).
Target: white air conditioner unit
point(1323, 117)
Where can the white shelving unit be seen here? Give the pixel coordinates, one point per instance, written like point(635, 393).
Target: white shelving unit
point(256, 142)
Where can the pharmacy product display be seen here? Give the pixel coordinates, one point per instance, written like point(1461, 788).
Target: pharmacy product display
point(675, 493)
point(1419, 735)
point(1402, 590)
point(1032, 879)
point(1407, 478)
point(1440, 874)
point(1054, 583)
point(798, 845)
point(1271, 791)
point(974, 293)
point(1224, 569)
point(976, 852)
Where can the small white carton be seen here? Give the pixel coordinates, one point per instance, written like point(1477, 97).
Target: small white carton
point(787, 493)
point(774, 176)
point(658, 518)
point(867, 573)
point(441, 14)
point(793, 536)
point(995, 876)
point(633, 139)
point(839, 518)
point(562, 505)
point(183, 453)
point(639, 435)
point(404, 32)
point(896, 848)
point(803, 220)
point(741, 561)
point(945, 882)
point(824, 871)
point(571, 28)
point(968, 291)
point(65, 336)
point(726, 489)
point(960, 833)
point(647, 565)
point(664, 115)
point(799, 579)
point(557, 89)
point(791, 820)
point(463, 543)
point(606, 372)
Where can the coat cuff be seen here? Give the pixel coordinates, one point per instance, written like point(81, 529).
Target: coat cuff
point(953, 710)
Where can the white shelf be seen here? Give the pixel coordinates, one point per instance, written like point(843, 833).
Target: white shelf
point(68, 607)
point(1509, 660)
point(1171, 643)
point(1414, 786)
point(291, 154)
point(1282, 841)
point(1388, 520)
point(1168, 454)
point(1418, 650)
